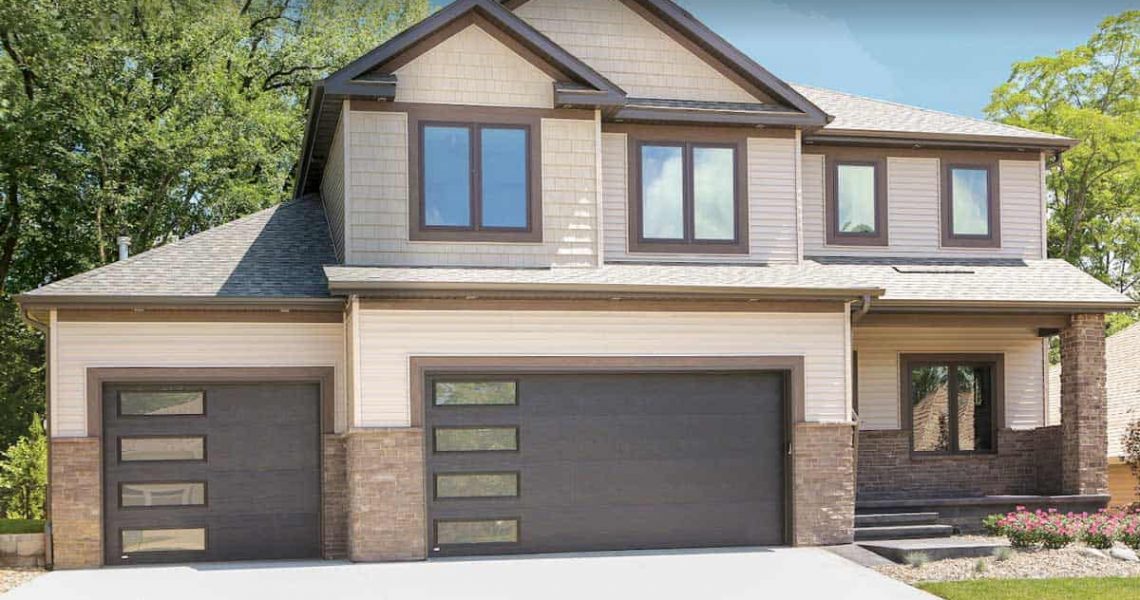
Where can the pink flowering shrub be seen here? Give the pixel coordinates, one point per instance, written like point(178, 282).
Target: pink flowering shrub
point(1021, 527)
point(1130, 530)
point(1054, 530)
point(1103, 528)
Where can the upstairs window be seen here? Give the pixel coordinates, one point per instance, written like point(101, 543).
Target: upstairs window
point(477, 183)
point(688, 197)
point(857, 203)
point(952, 402)
point(970, 211)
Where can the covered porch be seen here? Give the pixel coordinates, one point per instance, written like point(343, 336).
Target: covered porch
point(954, 419)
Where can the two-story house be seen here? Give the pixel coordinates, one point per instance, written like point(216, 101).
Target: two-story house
point(569, 276)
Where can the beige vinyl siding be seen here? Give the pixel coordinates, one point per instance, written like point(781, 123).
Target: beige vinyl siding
point(82, 345)
point(880, 347)
point(388, 339)
point(914, 211)
point(630, 51)
point(378, 217)
point(772, 226)
point(332, 190)
point(474, 68)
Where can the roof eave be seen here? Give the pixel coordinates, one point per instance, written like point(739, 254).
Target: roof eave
point(649, 114)
point(34, 300)
point(863, 137)
point(1000, 306)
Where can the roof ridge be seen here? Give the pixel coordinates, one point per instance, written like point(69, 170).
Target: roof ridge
point(923, 109)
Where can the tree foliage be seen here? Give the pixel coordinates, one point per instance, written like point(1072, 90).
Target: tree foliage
point(151, 119)
point(1090, 93)
point(23, 474)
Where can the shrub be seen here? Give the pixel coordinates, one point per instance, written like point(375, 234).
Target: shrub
point(1003, 554)
point(992, 526)
point(1102, 529)
point(1131, 442)
point(1022, 527)
point(980, 566)
point(1130, 531)
point(23, 474)
point(1057, 531)
point(916, 559)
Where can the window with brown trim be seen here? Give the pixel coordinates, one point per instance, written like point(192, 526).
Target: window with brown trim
point(856, 202)
point(476, 182)
point(952, 402)
point(971, 210)
point(688, 197)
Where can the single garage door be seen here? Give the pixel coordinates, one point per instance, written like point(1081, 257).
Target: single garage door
point(211, 472)
point(605, 461)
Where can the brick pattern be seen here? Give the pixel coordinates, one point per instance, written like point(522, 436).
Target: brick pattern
point(334, 498)
point(1084, 407)
point(378, 192)
point(76, 519)
point(1048, 457)
point(386, 511)
point(474, 68)
point(888, 471)
point(823, 493)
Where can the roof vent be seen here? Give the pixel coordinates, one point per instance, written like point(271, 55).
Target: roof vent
point(124, 247)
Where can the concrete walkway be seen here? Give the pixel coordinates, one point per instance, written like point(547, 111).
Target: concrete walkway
point(753, 574)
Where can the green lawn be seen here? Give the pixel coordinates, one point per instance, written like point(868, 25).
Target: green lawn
point(21, 526)
point(1037, 589)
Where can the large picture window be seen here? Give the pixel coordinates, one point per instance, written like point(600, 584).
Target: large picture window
point(856, 202)
point(476, 183)
point(952, 402)
point(970, 207)
point(688, 197)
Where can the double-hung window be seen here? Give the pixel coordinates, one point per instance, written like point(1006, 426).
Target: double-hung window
point(477, 183)
point(952, 402)
point(856, 202)
point(970, 208)
point(688, 197)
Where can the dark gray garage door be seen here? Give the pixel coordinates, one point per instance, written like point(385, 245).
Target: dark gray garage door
point(211, 472)
point(574, 462)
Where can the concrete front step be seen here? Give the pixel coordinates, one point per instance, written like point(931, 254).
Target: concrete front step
point(934, 548)
point(901, 532)
point(892, 519)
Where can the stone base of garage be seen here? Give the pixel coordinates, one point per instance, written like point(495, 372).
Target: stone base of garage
point(823, 486)
point(76, 503)
point(386, 502)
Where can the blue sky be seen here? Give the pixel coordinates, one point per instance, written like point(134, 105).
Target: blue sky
point(941, 54)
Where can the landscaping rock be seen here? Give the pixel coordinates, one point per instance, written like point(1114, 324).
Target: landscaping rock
point(1125, 554)
point(1093, 552)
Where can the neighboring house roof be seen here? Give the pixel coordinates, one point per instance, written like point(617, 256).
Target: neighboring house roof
point(1122, 386)
point(858, 116)
point(995, 284)
point(277, 254)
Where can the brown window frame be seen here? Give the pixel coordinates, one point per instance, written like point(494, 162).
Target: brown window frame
point(689, 244)
point(993, 201)
point(475, 120)
point(880, 237)
point(996, 362)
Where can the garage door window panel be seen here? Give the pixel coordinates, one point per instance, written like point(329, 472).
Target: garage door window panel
point(475, 393)
point(483, 531)
point(162, 403)
point(476, 485)
point(165, 494)
point(162, 449)
point(476, 439)
point(163, 540)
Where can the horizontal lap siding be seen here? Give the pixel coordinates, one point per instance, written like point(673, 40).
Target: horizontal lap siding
point(82, 345)
point(771, 204)
point(630, 51)
point(879, 349)
point(380, 202)
point(388, 339)
point(332, 190)
point(914, 211)
point(474, 68)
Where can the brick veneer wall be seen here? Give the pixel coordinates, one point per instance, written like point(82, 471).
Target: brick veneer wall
point(888, 471)
point(386, 520)
point(1084, 407)
point(76, 520)
point(1048, 458)
point(334, 498)
point(823, 492)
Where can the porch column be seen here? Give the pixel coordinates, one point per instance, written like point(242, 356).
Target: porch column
point(1084, 407)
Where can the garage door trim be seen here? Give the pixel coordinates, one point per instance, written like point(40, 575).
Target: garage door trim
point(422, 367)
point(98, 376)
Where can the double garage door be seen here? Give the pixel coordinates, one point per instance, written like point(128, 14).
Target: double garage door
point(519, 463)
point(610, 461)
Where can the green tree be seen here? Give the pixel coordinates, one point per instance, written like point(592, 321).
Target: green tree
point(151, 119)
point(1090, 93)
point(23, 474)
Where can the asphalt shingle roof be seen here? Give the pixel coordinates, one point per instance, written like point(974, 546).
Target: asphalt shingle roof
point(861, 114)
point(277, 253)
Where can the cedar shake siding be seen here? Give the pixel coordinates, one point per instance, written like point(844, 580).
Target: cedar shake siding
point(332, 190)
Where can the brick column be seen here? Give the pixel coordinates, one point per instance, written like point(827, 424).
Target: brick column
point(823, 487)
point(1084, 407)
point(76, 509)
point(386, 520)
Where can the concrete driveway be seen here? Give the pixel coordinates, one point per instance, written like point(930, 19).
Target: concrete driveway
point(755, 574)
